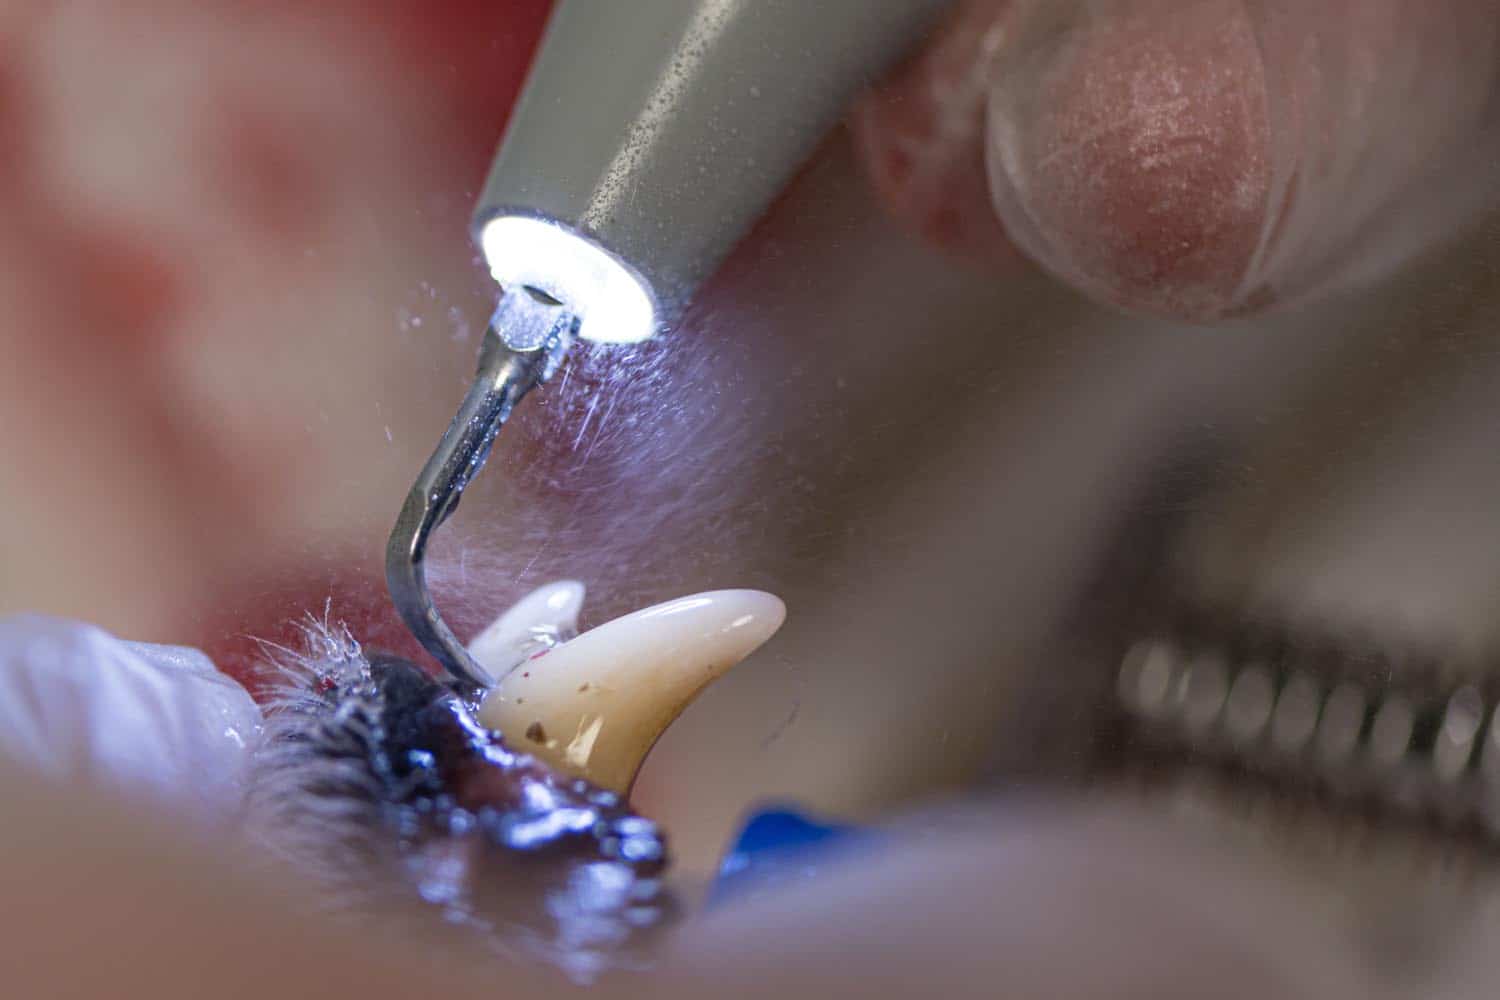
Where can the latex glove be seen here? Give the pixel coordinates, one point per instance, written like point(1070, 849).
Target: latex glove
point(131, 718)
point(1195, 158)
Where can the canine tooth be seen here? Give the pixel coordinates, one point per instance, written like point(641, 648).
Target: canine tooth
point(595, 706)
point(550, 609)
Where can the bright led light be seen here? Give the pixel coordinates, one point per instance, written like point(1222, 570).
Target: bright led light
point(612, 303)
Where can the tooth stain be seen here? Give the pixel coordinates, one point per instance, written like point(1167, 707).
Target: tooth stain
point(536, 733)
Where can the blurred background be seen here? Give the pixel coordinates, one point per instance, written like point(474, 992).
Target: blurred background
point(240, 304)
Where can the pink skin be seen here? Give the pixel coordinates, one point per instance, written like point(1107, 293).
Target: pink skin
point(1194, 159)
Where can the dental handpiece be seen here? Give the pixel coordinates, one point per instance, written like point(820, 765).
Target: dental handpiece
point(649, 137)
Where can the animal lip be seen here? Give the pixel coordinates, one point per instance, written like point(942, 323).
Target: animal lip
point(384, 778)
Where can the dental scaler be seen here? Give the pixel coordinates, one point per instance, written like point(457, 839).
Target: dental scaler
point(650, 136)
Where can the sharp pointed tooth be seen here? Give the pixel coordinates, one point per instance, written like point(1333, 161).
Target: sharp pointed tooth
point(595, 706)
point(519, 632)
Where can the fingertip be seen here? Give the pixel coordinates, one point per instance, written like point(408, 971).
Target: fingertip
point(1130, 157)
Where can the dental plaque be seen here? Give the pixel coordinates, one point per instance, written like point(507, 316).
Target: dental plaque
point(505, 810)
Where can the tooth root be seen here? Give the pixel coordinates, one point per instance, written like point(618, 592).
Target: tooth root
point(595, 706)
point(552, 607)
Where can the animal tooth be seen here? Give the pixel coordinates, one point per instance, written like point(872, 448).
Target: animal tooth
point(550, 610)
point(595, 706)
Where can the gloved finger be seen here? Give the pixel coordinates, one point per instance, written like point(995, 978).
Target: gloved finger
point(1027, 902)
point(1204, 158)
point(105, 903)
point(920, 136)
point(127, 718)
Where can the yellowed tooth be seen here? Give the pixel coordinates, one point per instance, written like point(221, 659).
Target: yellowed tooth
point(596, 705)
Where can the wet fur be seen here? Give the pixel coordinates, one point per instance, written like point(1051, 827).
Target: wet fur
point(330, 795)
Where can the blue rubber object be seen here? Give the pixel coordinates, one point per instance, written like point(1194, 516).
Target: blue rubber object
point(776, 846)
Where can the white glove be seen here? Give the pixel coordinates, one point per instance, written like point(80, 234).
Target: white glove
point(131, 718)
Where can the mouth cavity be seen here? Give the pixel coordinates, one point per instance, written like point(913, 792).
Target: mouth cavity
point(508, 813)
